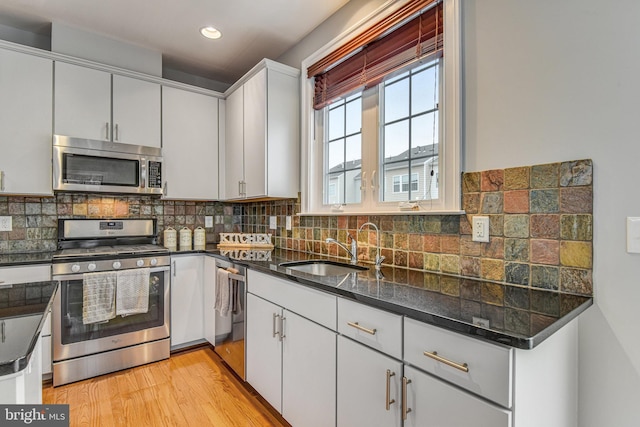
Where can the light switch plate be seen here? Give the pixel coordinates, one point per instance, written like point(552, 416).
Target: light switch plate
point(480, 229)
point(208, 221)
point(633, 235)
point(288, 225)
point(5, 223)
point(273, 222)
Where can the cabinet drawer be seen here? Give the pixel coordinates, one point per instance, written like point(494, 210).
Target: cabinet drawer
point(489, 366)
point(28, 274)
point(317, 306)
point(375, 328)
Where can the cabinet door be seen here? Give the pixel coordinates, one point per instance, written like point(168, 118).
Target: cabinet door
point(82, 102)
point(136, 112)
point(363, 384)
point(264, 349)
point(255, 135)
point(234, 145)
point(308, 373)
point(25, 119)
point(434, 402)
point(187, 305)
point(190, 144)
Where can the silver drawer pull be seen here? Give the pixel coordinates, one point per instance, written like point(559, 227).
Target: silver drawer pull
point(362, 328)
point(434, 355)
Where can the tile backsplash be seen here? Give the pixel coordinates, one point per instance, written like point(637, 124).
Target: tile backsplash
point(541, 226)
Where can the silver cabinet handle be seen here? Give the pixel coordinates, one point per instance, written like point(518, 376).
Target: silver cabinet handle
point(4, 336)
point(1, 180)
point(115, 133)
point(174, 269)
point(282, 335)
point(107, 131)
point(434, 355)
point(405, 410)
point(389, 401)
point(275, 320)
point(362, 328)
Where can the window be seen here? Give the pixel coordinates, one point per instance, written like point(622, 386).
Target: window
point(390, 141)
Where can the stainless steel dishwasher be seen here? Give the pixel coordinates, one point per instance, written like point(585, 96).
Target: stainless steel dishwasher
point(230, 328)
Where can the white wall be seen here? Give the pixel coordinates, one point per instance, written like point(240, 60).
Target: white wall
point(549, 81)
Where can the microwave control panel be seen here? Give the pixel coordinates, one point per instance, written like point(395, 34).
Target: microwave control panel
point(155, 174)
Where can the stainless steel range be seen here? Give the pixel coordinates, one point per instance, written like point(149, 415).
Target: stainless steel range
point(112, 308)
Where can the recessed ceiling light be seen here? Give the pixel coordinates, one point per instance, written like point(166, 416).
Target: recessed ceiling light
point(210, 32)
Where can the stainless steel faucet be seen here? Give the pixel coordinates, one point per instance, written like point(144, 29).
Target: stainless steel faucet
point(379, 258)
point(353, 252)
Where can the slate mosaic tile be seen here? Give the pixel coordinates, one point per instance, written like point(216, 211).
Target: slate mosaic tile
point(516, 226)
point(468, 247)
point(416, 259)
point(545, 277)
point(431, 262)
point(471, 202)
point(471, 182)
point(545, 176)
point(491, 203)
point(545, 251)
point(516, 178)
point(516, 273)
point(496, 225)
point(493, 249)
point(470, 266)
point(400, 258)
point(451, 244)
point(579, 281)
point(516, 250)
point(492, 269)
point(576, 173)
point(576, 254)
point(546, 226)
point(576, 200)
point(576, 227)
point(544, 201)
point(450, 263)
point(516, 201)
point(492, 180)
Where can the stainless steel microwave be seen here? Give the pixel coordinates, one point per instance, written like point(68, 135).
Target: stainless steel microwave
point(103, 166)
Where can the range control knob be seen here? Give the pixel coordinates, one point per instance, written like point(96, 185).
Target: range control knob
point(153, 261)
point(117, 265)
point(140, 263)
point(75, 268)
point(91, 266)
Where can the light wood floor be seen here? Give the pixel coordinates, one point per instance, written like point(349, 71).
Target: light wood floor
point(193, 388)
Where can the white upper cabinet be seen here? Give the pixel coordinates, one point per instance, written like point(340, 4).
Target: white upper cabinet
point(189, 144)
point(25, 119)
point(95, 104)
point(262, 134)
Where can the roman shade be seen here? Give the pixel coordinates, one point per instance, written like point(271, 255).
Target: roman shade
point(412, 33)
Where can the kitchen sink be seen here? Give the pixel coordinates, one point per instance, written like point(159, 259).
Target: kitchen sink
point(320, 267)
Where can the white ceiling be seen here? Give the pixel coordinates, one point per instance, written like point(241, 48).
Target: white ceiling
point(251, 29)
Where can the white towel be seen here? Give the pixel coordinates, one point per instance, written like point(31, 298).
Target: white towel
point(223, 293)
point(132, 295)
point(98, 297)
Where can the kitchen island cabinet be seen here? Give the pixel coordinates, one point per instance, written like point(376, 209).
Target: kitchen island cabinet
point(26, 113)
point(95, 104)
point(291, 358)
point(189, 145)
point(262, 134)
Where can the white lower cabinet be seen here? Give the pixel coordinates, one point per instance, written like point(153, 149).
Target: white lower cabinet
point(369, 385)
point(430, 401)
point(291, 360)
point(187, 305)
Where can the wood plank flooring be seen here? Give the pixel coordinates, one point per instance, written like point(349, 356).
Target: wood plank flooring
point(192, 388)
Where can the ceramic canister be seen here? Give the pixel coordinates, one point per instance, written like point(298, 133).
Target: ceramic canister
point(185, 239)
point(170, 239)
point(199, 238)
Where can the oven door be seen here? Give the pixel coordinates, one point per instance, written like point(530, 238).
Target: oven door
point(72, 338)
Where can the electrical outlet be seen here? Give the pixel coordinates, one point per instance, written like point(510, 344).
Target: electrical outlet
point(480, 229)
point(273, 222)
point(208, 221)
point(6, 223)
point(288, 224)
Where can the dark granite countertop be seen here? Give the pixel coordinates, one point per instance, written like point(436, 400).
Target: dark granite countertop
point(23, 309)
point(518, 316)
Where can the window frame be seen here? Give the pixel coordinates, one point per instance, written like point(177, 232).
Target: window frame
point(312, 167)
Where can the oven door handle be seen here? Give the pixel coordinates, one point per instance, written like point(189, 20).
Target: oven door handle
point(78, 276)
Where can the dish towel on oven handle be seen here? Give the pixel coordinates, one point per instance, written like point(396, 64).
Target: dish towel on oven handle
point(98, 297)
point(132, 291)
point(223, 303)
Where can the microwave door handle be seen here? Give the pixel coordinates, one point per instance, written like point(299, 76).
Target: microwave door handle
point(143, 173)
